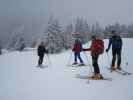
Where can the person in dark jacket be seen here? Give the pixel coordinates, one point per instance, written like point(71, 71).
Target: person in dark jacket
point(116, 42)
point(41, 50)
point(95, 52)
point(77, 48)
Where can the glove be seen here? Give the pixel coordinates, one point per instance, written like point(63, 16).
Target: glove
point(107, 50)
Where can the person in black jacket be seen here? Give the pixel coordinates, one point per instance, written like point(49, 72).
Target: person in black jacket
point(116, 42)
point(41, 50)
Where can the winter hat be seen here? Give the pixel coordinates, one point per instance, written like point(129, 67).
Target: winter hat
point(77, 40)
point(93, 36)
point(113, 31)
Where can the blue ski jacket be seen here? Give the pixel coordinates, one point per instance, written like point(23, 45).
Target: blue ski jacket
point(116, 42)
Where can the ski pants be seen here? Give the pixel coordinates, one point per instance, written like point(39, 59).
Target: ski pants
point(116, 53)
point(95, 63)
point(40, 60)
point(77, 55)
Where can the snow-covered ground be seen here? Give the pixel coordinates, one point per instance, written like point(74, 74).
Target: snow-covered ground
point(20, 79)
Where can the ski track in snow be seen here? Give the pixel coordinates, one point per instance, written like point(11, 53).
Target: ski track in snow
point(20, 79)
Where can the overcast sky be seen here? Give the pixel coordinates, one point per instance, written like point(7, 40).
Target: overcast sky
point(35, 13)
point(104, 11)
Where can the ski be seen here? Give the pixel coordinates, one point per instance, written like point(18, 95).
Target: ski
point(122, 72)
point(90, 78)
point(42, 66)
point(104, 78)
point(77, 65)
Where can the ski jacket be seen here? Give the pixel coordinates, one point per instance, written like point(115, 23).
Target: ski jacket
point(77, 47)
point(97, 47)
point(41, 50)
point(116, 42)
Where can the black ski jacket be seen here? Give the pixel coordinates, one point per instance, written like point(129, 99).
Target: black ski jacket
point(41, 50)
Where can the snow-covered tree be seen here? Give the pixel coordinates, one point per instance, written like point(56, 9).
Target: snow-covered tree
point(68, 38)
point(54, 36)
point(81, 30)
point(97, 30)
point(116, 27)
point(21, 44)
point(130, 30)
point(17, 41)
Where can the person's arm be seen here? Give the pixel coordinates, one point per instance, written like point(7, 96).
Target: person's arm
point(45, 50)
point(81, 47)
point(121, 42)
point(88, 49)
point(110, 42)
point(38, 49)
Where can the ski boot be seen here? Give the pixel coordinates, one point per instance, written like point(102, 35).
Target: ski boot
point(118, 67)
point(81, 64)
point(97, 76)
point(75, 63)
point(112, 68)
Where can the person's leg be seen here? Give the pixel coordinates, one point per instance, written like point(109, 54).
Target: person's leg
point(113, 58)
point(119, 59)
point(97, 74)
point(40, 60)
point(75, 58)
point(95, 64)
point(79, 57)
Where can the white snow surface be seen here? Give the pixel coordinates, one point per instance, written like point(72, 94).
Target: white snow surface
point(20, 79)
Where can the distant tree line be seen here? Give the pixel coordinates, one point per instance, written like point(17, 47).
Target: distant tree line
point(57, 38)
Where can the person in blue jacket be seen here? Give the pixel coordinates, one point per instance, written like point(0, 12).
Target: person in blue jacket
point(116, 42)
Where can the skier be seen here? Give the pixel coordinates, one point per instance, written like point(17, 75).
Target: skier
point(116, 42)
point(96, 48)
point(77, 48)
point(41, 50)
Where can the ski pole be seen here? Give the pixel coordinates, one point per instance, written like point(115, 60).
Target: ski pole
point(69, 59)
point(88, 62)
point(49, 61)
point(87, 59)
point(108, 58)
point(125, 59)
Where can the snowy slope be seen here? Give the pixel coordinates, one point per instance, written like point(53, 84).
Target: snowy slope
point(20, 79)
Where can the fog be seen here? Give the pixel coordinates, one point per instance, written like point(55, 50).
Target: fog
point(34, 14)
point(103, 11)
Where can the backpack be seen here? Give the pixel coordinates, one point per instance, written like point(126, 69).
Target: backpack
point(77, 47)
point(100, 46)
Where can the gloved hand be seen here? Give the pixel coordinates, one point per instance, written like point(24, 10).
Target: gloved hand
point(107, 50)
